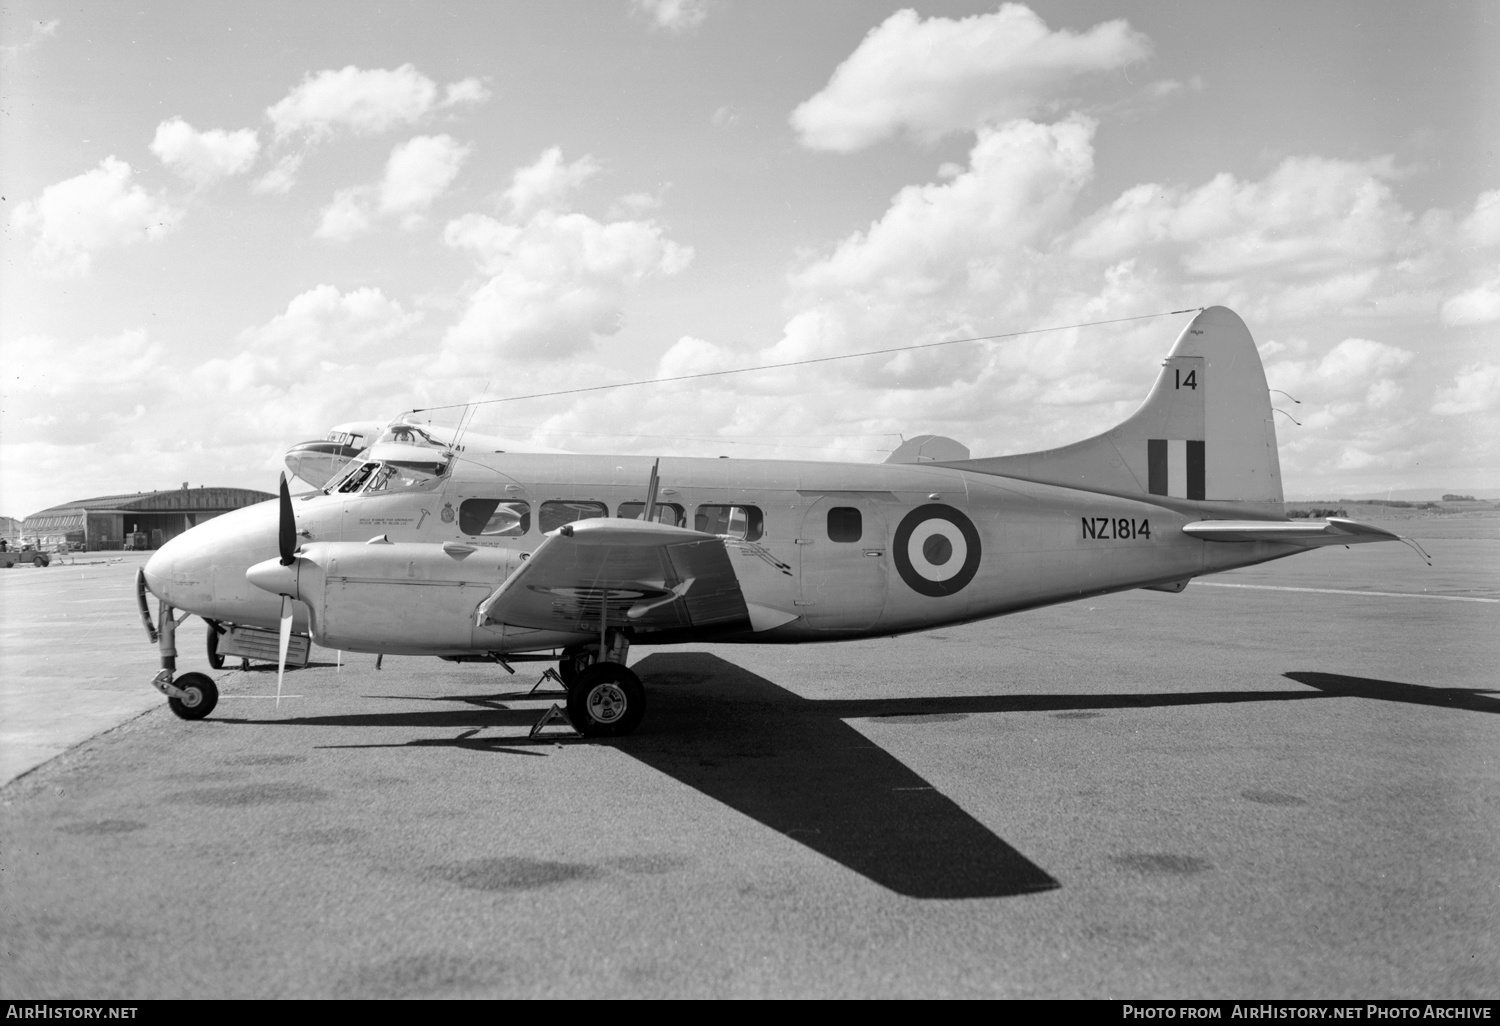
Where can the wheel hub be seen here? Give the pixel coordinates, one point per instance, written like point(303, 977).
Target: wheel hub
point(606, 703)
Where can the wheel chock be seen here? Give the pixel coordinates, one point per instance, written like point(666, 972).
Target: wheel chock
point(554, 717)
point(549, 674)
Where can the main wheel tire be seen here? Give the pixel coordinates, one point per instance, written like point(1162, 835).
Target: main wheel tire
point(606, 701)
point(202, 696)
point(214, 658)
point(573, 662)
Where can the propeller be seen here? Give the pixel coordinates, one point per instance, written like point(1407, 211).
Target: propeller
point(282, 643)
point(287, 534)
point(286, 537)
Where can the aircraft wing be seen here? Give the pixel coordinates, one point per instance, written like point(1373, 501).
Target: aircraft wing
point(627, 573)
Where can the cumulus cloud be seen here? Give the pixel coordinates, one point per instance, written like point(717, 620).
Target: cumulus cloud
point(556, 280)
point(1481, 229)
point(547, 183)
point(940, 75)
point(964, 234)
point(39, 31)
point(365, 102)
point(321, 332)
point(76, 219)
point(204, 157)
point(673, 15)
point(556, 284)
point(1478, 305)
point(279, 180)
point(1000, 242)
point(946, 260)
point(1309, 216)
point(417, 172)
point(1475, 389)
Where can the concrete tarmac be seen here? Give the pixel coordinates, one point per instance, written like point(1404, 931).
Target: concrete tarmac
point(1285, 788)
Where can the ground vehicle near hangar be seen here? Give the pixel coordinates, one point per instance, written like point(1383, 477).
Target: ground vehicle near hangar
point(26, 554)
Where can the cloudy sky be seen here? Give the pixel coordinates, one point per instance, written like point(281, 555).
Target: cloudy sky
point(230, 226)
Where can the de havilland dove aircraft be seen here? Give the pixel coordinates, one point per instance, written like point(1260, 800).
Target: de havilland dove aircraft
point(421, 549)
point(322, 459)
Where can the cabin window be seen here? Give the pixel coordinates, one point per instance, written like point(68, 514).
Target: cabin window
point(494, 518)
point(744, 522)
point(845, 524)
point(668, 513)
point(564, 511)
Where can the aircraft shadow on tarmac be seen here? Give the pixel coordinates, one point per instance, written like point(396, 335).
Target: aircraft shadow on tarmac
point(1472, 699)
point(795, 765)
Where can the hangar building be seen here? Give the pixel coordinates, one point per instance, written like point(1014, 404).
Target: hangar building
point(110, 521)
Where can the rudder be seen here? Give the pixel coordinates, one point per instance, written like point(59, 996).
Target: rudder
point(1204, 432)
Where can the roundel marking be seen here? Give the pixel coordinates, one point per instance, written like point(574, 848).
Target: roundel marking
point(936, 549)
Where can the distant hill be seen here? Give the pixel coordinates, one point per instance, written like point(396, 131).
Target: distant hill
point(1408, 494)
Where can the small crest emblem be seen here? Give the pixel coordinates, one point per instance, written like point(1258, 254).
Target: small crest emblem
point(447, 513)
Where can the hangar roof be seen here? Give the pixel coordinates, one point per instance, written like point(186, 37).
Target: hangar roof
point(176, 500)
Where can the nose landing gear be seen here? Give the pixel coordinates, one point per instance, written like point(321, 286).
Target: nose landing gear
point(197, 694)
point(191, 696)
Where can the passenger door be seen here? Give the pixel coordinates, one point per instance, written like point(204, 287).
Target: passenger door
point(842, 557)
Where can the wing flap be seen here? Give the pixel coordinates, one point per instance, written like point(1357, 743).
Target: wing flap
point(621, 573)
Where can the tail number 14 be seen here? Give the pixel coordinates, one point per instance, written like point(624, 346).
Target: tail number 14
point(1191, 381)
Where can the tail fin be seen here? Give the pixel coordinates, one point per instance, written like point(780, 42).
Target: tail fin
point(1204, 433)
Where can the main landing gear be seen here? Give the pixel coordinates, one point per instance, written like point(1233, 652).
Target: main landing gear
point(605, 699)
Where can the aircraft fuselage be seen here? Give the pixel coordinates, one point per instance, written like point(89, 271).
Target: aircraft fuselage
point(823, 551)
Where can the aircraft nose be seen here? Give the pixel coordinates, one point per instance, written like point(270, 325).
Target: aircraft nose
point(180, 573)
point(203, 569)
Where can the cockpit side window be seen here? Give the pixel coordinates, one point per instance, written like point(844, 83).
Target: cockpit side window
point(405, 477)
point(355, 479)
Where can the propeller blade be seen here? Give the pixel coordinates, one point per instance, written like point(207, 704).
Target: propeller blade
point(287, 535)
point(286, 637)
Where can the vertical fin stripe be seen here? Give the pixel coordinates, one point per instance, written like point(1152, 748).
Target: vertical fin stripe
point(1195, 470)
point(1156, 466)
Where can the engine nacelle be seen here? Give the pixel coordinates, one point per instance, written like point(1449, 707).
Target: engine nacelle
point(410, 598)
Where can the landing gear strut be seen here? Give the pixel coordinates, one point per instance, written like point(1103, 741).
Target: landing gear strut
point(605, 699)
point(191, 696)
point(574, 661)
point(214, 658)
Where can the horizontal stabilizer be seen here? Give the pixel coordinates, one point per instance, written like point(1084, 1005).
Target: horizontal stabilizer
point(1307, 533)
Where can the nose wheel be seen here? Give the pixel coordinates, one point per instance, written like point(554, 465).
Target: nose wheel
point(606, 700)
point(196, 698)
